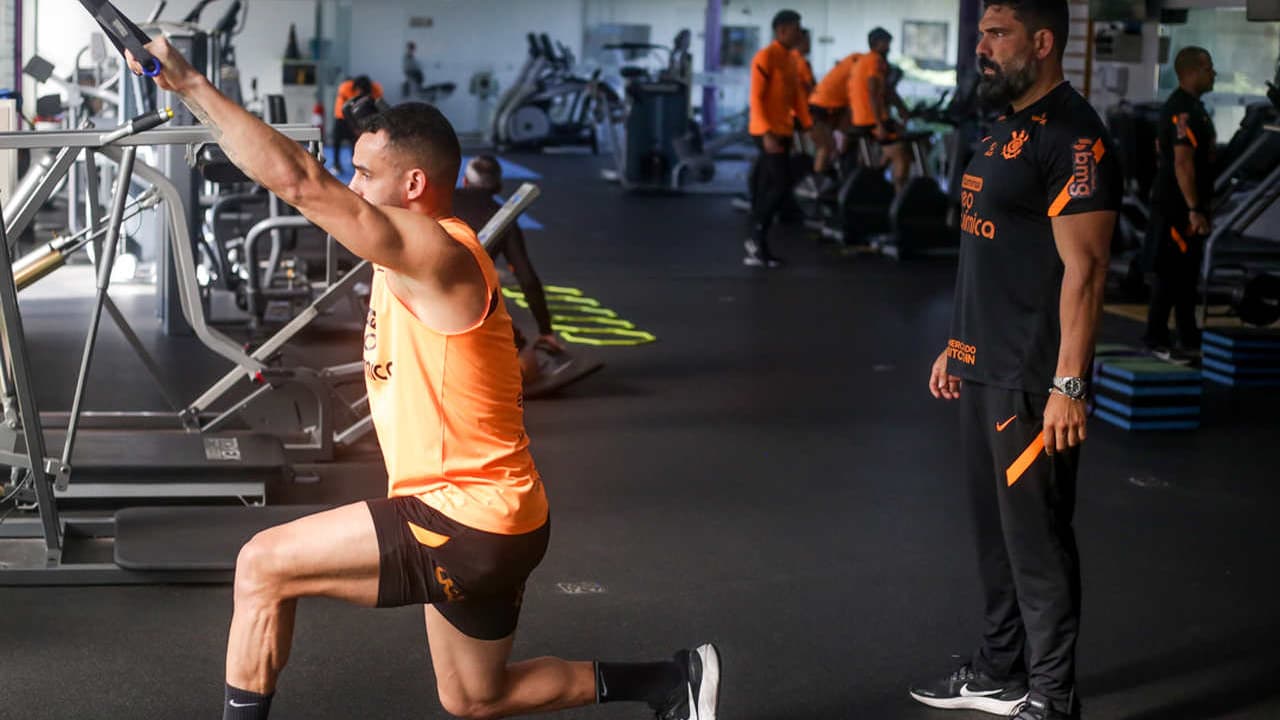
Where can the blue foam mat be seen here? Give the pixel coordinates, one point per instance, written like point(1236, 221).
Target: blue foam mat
point(1239, 354)
point(1237, 370)
point(1233, 381)
point(1251, 340)
point(1146, 412)
point(1127, 424)
point(1148, 390)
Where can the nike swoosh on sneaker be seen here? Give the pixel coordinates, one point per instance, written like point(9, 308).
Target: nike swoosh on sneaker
point(966, 692)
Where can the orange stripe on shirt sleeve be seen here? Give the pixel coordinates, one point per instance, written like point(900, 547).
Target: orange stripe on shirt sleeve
point(1061, 201)
point(1028, 456)
point(1190, 134)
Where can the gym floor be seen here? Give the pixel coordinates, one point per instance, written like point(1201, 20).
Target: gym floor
point(771, 475)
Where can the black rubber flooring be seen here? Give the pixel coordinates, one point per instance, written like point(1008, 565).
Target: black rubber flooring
point(770, 475)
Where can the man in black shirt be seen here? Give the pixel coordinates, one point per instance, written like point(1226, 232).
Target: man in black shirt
point(1039, 203)
point(1180, 201)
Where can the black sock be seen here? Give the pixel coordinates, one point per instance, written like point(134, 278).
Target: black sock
point(244, 705)
point(652, 683)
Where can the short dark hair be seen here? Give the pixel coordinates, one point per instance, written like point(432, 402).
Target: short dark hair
point(484, 171)
point(786, 17)
point(1189, 58)
point(879, 35)
point(363, 84)
point(1037, 15)
point(423, 137)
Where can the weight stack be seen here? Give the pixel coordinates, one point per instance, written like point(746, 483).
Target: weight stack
point(1242, 357)
point(1143, 393)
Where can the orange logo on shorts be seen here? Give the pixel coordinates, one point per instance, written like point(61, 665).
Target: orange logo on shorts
point(451, 589)
point(1013, 148)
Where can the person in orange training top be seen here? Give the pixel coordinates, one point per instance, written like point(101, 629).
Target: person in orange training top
point(829, 108)
point(803, 66)
point(343, 132)
point(466, 517)
point(777, 104)
point(869, 100)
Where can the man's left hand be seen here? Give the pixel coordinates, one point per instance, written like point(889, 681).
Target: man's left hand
point(1064, 421)
point(176, 74)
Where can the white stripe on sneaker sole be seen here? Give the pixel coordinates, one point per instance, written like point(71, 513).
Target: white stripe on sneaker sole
point(708, 701)
point(981, 704)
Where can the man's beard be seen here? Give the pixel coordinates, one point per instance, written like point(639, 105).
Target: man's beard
point(1004, 86)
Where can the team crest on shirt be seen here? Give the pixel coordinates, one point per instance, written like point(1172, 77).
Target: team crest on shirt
point(1083, 168)
point(373, 369)
point(1013, 148)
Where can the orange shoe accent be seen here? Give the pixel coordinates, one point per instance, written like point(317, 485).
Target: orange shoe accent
point(1001, 426)
point(1028, 456)
point(428, 538)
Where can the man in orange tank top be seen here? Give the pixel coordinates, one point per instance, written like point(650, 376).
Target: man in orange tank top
point(870, 96)
point(466, 518)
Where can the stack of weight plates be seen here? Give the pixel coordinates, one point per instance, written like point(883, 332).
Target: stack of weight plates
point(1144, 393)
point(1242, 357)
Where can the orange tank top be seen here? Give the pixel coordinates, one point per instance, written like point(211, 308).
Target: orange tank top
point(833, 91)
point(869, 65)
point(449, 410)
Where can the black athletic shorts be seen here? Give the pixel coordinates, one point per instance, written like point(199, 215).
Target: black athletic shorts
point(895, 132)
point(827, 116)
point(474, 578)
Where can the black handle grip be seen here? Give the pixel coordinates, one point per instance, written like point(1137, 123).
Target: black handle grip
point(123, 34)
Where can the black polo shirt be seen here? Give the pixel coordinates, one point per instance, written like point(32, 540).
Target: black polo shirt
point(1053, 158)
point(1183, 121)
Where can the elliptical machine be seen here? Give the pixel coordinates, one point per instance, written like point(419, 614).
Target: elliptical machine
point(663, 148)
point(549, 105)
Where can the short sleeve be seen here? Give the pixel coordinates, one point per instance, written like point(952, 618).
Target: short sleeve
point(1081, 170)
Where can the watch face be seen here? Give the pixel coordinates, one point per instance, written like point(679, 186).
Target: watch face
point(1073, 386)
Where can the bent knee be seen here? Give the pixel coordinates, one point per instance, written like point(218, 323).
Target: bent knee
point(259, 565)
point(460, 704)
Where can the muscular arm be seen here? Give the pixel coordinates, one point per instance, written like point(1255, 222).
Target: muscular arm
point(441, 272)
point(1084, 244)
point(876, 86)
point(1184, 167)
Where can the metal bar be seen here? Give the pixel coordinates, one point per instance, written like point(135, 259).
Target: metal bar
point(30, 416)
point(106, 260)
point(253, 292)
point(1253, 204)
point(1224, 177)
point(186, 270)
point(153, 368)
point(279, 339)
point(29, 205)
point(177, 135)
point(95, 491)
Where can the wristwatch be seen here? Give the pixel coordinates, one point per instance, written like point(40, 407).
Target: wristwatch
point(1072, 387)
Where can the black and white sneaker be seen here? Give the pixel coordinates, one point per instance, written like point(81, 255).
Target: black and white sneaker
point(699, 699)
point(968, 689)
point(755, 259)
point(1037, 707)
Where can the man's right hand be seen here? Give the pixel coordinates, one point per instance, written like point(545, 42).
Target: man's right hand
point(772, 144)
point(1198, 223)
point(176, 74)
point(942, 385)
